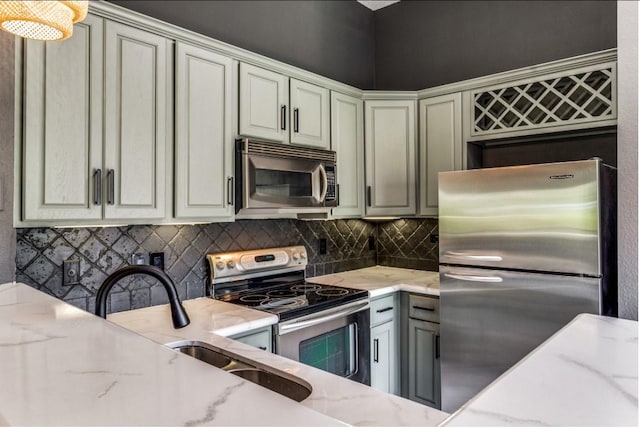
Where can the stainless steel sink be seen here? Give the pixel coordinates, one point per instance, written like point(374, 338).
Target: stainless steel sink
point(283, 383)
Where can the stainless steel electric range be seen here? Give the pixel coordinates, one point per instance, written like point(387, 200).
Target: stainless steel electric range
point(319, 325)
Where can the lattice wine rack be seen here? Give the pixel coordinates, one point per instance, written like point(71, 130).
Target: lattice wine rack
point(580, 97)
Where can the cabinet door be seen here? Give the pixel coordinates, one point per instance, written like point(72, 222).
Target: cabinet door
point(384, 350)
point(136, 89)
point(390, 153)
point(204, 134)
point(309, 114)
point(264, 103)
point(347, 141)
point(260, 338)
point(62, 153)
point(440, 145)
point(424, 363)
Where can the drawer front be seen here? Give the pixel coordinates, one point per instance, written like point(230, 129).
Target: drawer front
point(424, 308)
point(383, 309)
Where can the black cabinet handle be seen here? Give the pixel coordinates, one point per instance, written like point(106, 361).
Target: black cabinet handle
point(230, 190)
point(296, 120)
point(437, 346)
point(368, 195)
point(110, 187)
point(97, 187)
point(283, 117)
point(264, 348)
point(422, 308)
point(375, 350)
point(337, 195)
point(384, 309)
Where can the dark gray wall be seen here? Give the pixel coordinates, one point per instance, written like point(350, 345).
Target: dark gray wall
point(7, 232)
point(421, 44)
point(331, 38)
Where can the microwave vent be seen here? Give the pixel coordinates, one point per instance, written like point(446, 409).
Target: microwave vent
point(283, 150)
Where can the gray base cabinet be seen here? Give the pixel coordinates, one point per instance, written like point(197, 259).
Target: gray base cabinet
point(421, 349)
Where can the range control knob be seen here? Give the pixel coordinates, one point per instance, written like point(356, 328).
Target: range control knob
point(231, 264)
point(220, 265)
point(303, 255)
point(295, 256)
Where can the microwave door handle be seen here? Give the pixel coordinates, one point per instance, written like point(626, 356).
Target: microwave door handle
point(325, 183)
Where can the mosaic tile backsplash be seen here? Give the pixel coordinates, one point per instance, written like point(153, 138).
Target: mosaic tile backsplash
point(101, 251)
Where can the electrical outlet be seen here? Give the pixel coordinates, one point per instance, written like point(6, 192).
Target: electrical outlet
point(372, 243)
point(322, 245)
point(157, 260)
point(71, 272)
point(139, 259)
point(434, 238)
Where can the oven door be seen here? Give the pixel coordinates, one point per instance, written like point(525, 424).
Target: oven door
point(334, 340)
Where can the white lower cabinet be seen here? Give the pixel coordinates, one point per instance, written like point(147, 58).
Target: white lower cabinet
point(259, 338)
point(384, 345)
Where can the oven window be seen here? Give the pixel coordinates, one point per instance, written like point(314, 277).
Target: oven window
point(283, 183)
point(334, 351)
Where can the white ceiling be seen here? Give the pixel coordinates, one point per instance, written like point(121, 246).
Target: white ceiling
point(377, 4)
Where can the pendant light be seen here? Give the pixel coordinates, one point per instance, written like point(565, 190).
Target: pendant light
point(41, 19)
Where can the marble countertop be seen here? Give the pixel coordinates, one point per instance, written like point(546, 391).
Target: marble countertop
point(62, 366)
point(344, 400)
point(381, 280)
point(584, 375)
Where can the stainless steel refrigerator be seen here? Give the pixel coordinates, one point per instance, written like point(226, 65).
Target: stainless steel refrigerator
point(523, 250)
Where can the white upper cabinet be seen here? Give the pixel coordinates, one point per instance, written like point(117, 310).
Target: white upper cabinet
point(347, 140)
point(440, 145)
point(62, 146)
point(204, 134)
point(309, 114)
point(137, 85)
point(264, 103)
point(390, 153)
point(276, 108)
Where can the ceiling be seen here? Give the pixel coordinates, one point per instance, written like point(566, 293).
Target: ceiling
point(377, 4)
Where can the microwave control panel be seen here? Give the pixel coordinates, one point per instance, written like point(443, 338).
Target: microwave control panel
point(331, 182)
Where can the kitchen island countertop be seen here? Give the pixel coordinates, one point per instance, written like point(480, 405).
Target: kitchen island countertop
point(584, 375)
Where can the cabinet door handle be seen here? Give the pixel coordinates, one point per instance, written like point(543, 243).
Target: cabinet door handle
point(110, 187)
point(384, 309)
point(230, 190)
point(369, 196)
point(437, 346)
point(423, 308)
point(337, 195)
point(283, 117)
point(97, 187)
point(296, 120)
point(264, 348)
point(376, 350)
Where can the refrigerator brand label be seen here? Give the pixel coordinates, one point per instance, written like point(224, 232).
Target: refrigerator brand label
point(561, 176)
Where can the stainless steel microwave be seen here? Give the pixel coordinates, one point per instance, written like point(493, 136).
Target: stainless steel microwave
point(280, 178)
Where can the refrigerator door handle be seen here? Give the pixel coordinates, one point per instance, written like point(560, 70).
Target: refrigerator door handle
point(473, 257)
point(474, 278)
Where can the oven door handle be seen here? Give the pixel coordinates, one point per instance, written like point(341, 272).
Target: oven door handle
point(290, 326)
